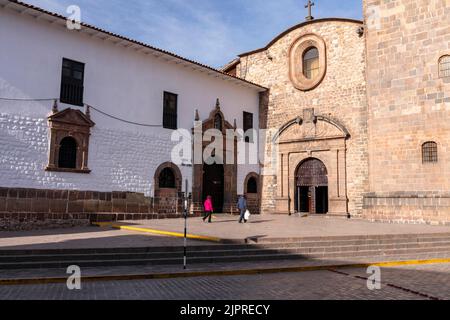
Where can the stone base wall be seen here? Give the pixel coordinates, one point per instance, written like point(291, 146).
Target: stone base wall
point(431, 209)
point(168, 201)
point(113, 217)
point(27, 209)
point(253, 203)
point(35, 221)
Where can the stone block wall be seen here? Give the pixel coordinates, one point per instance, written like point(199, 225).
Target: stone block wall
point(26, 209)
point(253, 203)
point(400, 207)
point(409, 104)
point(119, 160)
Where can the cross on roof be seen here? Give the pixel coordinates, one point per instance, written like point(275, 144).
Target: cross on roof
point(309, 7)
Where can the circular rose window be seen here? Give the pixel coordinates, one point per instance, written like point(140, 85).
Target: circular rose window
point(307, 62)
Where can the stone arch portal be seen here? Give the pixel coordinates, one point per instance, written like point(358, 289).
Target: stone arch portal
point(220, 178)
point(311, 171)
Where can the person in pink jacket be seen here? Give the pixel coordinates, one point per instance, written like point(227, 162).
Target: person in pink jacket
point(208, 209)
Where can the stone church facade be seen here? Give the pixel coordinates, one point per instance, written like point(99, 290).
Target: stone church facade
point(364, 130)
point(356, 115)
point(332, 114)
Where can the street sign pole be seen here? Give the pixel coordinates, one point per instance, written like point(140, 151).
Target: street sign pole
point(186, 209)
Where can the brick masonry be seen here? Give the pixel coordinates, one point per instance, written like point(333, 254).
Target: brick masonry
point(382, 84)
point(402, 207)
point(25, 209)
point(409, 104)
point(341, 96)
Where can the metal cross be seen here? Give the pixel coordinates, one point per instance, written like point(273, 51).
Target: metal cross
point(309, 7)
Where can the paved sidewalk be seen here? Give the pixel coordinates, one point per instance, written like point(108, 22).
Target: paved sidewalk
point(223, 226)
point(283, 226)
point(85, 238)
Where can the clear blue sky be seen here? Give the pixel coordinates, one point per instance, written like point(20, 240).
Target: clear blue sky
point(209, 31)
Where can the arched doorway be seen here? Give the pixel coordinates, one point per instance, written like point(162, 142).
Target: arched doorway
point(168, 186)
point(252, 191)
point(220, 181)
point(311, 180)
point(214, 185)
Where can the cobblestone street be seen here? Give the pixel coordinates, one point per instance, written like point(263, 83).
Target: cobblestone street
point(406, 283)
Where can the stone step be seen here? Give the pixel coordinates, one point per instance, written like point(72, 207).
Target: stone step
point(339, 256)
point(400, 243)
point(380, 242)
point(386, 237)
point(267, 244)
point(205, 253)
point(216, 257)
point(324, 245)
point(310, 247)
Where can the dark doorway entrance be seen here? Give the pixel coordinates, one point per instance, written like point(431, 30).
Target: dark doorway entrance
point(303, 200)
point(322, 200)
point(311, 187)
point(213, 185)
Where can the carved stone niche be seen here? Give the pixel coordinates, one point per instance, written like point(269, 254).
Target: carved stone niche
point(296, 54)
point(76, 125)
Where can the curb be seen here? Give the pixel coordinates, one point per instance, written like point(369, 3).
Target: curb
point(256, 271)
point(161, 232)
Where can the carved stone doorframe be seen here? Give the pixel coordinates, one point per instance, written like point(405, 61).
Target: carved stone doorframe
point(312, 136)
point(230, 170)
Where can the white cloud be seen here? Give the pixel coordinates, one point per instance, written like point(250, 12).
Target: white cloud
point(209, 31)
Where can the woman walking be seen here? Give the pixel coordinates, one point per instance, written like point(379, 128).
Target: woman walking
point(208, 206)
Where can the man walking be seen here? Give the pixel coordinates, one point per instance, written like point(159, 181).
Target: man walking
point(242, 206)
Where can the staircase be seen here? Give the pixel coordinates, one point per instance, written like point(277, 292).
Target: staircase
point(320, 248)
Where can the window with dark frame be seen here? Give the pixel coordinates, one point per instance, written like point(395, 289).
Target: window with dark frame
point(311, 63)
point(72, 82)
point(170, 120)
point(430, 152)
point(167, 179)
point(67, 153)
point(444, 67)
point(248, 125)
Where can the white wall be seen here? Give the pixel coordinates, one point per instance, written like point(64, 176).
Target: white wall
point(119, 81)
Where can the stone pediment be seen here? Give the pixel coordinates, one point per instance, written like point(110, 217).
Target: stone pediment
point(71, 117)
point(311, 127)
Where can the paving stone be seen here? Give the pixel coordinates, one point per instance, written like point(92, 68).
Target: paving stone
point(317, 285)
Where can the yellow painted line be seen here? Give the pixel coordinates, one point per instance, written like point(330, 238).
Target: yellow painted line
point(165, 233)
point(193, 274)
point(410, 263)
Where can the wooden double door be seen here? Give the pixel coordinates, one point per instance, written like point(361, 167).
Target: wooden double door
point(311, 187)
point(214, 185)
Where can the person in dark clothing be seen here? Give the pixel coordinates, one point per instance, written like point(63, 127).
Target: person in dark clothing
point(242, 206)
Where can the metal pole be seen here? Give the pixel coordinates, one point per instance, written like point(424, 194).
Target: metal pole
point(185, 225)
